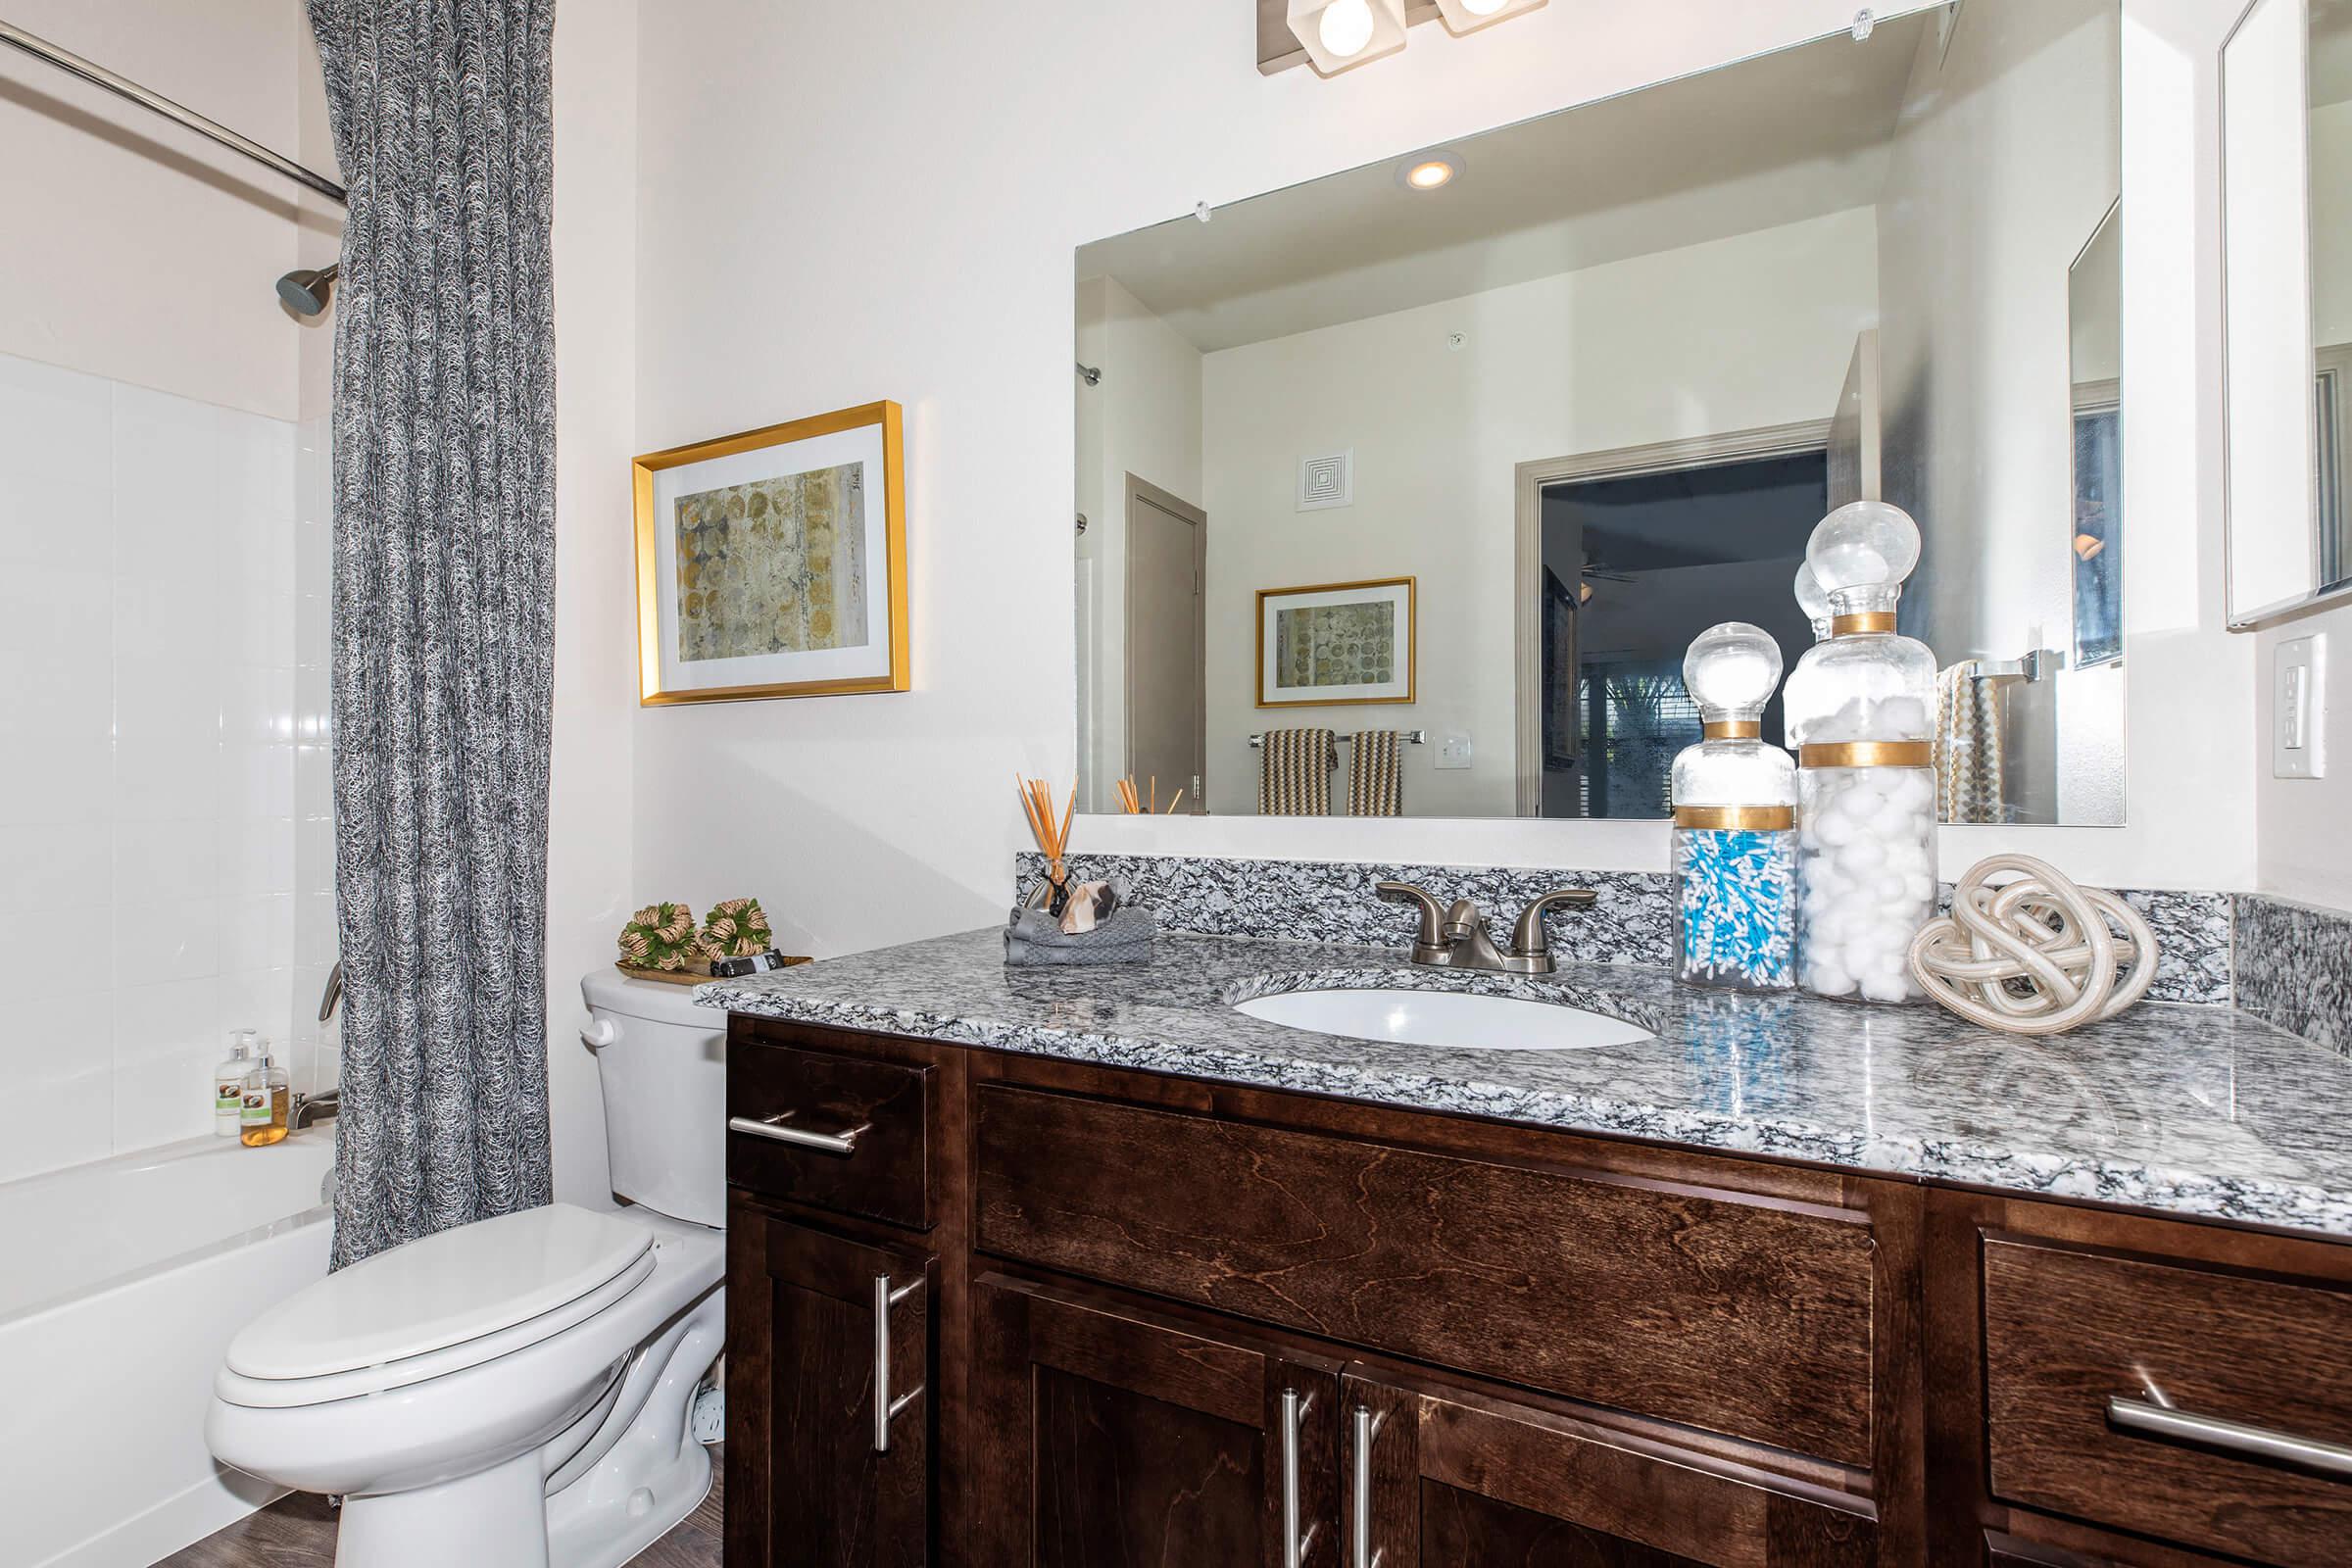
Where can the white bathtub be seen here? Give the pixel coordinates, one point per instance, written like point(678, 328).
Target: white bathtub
point(128, 1278)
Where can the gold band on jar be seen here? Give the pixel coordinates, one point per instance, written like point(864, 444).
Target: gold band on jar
point(1733, 729)
point(1867, 621)
point(1735, 818)
point(1868, 754)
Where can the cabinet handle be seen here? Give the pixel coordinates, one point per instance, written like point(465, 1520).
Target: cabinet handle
point(2236, 1436)
point(1295, 1544)
point(845, 1143)
point(887, 1408)
point(1367, 1427)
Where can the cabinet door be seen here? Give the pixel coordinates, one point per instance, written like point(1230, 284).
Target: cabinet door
point(830, 1361)
point(1117, 1439)
point(1437, 1479)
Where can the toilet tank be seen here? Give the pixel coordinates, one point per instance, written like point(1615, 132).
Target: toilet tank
point(664, 1064)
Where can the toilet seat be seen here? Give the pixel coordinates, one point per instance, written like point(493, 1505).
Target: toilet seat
point(439, 1305)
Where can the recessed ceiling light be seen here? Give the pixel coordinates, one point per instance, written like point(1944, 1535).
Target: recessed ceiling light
point(1429, 170)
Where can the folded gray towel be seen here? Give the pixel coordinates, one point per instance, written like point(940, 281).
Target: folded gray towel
point(1034, 937)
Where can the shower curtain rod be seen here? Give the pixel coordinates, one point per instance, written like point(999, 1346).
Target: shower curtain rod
point(124, 87)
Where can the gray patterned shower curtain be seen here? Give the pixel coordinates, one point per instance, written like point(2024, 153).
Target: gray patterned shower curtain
point(443, 574)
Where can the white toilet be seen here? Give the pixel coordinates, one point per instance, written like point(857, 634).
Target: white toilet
point(519, 1390)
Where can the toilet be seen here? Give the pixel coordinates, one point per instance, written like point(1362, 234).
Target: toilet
point(519, 1390)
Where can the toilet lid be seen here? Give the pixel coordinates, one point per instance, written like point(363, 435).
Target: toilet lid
point(443, 1290)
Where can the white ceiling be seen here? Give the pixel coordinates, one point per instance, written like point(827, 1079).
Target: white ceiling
point(1775, 140)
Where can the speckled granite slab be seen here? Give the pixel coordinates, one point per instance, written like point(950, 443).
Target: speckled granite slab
point(2204, 1110)
point(1318, 901)
point(2294, 968)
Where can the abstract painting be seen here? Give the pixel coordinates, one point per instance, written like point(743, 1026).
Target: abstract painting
point(1335, 643)
point(773, 564)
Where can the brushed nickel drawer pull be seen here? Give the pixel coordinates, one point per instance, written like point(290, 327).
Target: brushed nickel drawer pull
point(845, 1143)
point(2234, 1437)
point(1295, 1544)
point(885, 1408)
point(1367, 1427)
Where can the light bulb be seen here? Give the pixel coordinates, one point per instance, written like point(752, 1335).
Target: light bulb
point(1346, 26)
point(1429, 175)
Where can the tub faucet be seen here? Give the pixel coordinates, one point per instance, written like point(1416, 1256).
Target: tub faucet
point(309, 1108)
point(1454, 937)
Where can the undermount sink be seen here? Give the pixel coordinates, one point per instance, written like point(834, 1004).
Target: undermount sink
point(1460, 1021)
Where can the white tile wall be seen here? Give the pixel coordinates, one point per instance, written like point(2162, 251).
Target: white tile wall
point(165, 846)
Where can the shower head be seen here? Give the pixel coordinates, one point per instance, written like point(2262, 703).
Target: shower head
point(304, 291)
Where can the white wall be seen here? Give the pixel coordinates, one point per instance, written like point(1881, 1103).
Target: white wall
point(1731, 335)
point(877, 254)
point(592, 796)
point(1143, 418)
point(135, 250)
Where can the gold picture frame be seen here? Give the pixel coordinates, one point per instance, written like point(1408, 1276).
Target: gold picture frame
point(1401, 598)
point(777, 627)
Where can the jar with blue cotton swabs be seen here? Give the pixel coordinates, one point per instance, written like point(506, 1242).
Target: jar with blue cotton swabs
point(1734, 821)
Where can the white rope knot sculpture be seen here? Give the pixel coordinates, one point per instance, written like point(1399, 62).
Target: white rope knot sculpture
point(2037, 956)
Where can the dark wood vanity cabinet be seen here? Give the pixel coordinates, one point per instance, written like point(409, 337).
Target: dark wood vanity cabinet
point(1125, 1318)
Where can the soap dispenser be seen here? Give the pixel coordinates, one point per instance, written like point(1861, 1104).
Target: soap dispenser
point(228, 1084)
point(1734, 820)
point(1861, 710)
point(269, 1097)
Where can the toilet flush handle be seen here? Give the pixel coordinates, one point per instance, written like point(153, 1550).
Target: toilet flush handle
point(599, 1033)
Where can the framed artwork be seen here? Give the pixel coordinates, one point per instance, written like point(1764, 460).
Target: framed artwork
point(774, 564)
point(1339, 643)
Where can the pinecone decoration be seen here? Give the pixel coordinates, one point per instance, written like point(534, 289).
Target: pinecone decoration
point(737, 929)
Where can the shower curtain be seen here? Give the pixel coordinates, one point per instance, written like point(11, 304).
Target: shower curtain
point(444, 572)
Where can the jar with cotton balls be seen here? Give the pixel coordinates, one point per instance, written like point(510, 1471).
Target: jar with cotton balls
point(1860, 708)
point(1734, 821)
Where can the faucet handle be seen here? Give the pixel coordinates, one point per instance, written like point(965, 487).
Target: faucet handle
point(1433, 915)
point(1527, 940)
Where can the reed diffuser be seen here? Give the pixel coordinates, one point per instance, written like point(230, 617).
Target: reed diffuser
point(1132, 803)
point(1052, 834)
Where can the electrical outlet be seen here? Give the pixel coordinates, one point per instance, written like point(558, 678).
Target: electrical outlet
point(1454, 752)
point(2299, 708)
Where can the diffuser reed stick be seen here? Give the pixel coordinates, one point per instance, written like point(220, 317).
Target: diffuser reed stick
point(1052, 834)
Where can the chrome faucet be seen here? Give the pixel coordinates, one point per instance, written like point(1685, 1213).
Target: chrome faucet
point(1455, 937)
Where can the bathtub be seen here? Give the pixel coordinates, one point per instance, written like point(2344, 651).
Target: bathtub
point(128, 1278)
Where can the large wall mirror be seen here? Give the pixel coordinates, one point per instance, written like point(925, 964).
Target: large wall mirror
point(1401, 492)
point(2286, 148)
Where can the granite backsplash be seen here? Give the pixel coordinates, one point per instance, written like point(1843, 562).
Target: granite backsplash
point(1316, 900)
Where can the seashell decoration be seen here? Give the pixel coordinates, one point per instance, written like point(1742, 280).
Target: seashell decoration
point(2036, 956)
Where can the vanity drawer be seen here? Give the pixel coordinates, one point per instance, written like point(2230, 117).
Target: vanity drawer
point(1750, 1317)
point(832, 1131)
point(2066, 1331)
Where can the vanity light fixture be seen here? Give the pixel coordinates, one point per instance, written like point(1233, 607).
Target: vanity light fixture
point(1341, 35)
point(1468, 16)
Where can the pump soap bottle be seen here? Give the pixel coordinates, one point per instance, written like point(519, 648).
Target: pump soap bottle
point(228, 1084)
point(268, 1096)
point(1734, 821)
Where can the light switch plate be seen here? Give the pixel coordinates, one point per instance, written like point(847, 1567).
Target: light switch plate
point(2299, 708)
point(1454, 752)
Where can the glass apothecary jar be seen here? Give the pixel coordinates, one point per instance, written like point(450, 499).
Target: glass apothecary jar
point(1860, 710)
point(1734, 821)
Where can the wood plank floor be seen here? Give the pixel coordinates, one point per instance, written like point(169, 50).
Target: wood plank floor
point(298, 1532)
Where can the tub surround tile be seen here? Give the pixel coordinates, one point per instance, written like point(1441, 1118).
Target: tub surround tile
point(2294, 968)
point(1318, 901)
point(2197, 1110)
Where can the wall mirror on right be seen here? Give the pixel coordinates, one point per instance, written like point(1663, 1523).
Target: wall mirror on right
point(1403, 491)
point(2286, 167)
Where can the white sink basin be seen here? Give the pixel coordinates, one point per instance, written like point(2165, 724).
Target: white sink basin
point(1452, 1018)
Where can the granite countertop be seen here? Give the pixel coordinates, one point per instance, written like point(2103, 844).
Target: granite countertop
point(2194, 1108)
